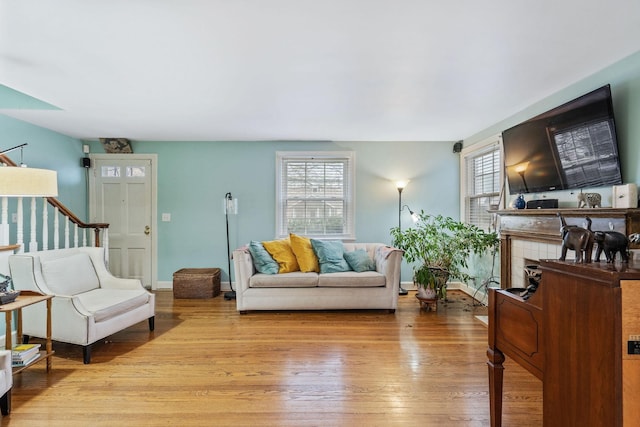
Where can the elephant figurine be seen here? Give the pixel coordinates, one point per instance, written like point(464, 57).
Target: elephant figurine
point(611, 242)
point(590, 200)
point(577, 239)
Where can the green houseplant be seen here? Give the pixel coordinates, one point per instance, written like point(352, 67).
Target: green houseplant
point(441, 246)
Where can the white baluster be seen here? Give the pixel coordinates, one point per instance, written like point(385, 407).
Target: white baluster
point(56, 230)
point(4, 225)
point(75, 235)
point(45, 225)
point(66, 231)
point(84, 237)
point(33, 241)
point(20, 225)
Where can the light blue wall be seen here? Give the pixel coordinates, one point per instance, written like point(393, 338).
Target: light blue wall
point(193, 178)
point(624, 78)
point(49, 150)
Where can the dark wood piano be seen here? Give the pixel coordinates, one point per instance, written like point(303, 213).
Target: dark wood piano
point(577, 334)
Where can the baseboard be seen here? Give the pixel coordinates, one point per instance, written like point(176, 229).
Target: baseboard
point(162, 286)
point(478, 294)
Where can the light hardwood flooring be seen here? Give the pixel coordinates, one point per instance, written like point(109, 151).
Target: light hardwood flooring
point(207, 365)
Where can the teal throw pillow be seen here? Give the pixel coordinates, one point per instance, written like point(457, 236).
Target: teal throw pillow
point(262, 261)
point(359, 260)
point(330, 255)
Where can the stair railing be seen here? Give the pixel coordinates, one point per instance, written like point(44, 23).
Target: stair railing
point(70, 224)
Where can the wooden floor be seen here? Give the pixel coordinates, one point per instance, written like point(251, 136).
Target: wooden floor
point(206, 365)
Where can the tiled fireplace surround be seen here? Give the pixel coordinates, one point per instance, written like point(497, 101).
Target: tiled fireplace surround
point(530, 235)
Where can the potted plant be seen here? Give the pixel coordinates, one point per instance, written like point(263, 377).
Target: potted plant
point(441, 246)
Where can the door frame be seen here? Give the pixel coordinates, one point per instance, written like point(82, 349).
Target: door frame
point(153, 158)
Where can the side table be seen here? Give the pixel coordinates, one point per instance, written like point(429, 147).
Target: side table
point(27, 298)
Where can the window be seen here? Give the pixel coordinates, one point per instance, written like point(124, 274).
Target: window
point(315, 194)
point(482, 166)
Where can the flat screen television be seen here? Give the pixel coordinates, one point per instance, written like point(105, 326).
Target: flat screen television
point(569, 147)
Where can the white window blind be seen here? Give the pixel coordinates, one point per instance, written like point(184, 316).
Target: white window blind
point(483, 171)
point(315, 194)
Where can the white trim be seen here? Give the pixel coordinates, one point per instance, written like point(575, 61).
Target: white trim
point(477, 148)
point(350, 180)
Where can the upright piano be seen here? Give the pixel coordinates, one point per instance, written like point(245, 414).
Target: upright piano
point(580, 334)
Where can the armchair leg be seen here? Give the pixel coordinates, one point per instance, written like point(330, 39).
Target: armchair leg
point(86, 354)
point(152, 323)
point(5, 403)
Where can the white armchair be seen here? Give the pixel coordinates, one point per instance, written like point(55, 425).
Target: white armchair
point(6, 381)
point(89, 304)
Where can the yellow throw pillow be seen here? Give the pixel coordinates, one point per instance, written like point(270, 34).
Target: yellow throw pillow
point(307, 259)
point(280, 251)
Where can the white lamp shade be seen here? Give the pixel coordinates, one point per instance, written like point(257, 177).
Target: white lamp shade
point(28, 182)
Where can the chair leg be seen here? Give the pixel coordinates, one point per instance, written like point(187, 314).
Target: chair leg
point(152, 323)
point(5, 403)
point(86, 354)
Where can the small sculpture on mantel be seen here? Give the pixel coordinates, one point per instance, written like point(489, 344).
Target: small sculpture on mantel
point(611, 242)
point(577, 239)
point(590, 200)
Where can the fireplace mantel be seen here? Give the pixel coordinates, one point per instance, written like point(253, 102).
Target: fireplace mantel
point(542, 226)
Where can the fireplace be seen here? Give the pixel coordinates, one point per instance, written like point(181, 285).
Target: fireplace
point(529, 235)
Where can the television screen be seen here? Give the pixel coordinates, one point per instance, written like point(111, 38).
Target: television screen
point(571, 146)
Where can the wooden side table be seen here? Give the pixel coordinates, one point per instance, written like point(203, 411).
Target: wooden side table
point(27, 298)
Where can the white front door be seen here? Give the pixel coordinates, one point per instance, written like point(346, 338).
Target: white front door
point(122, 195)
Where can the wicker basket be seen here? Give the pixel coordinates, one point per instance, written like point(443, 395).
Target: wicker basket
point(196, 283)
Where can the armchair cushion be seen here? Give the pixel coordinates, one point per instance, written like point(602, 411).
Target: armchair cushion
point(106, 304)
point(70, 275)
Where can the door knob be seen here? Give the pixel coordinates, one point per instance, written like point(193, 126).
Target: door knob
point(147, 230)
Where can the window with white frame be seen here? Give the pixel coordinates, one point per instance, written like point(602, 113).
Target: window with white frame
point(315, 194)
point(482, 182)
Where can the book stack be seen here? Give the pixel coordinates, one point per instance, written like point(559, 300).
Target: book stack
point(24, 354)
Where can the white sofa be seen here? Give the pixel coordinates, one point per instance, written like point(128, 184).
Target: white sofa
point(6, 381)
point(327, 291)
point(89, 304)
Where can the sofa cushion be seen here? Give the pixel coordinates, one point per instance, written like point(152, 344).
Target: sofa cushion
point(306, 257)
point(282, 253)
point(262, 261)
point(351, 279)
point(106, 304)
point(70, 275)
point(330, 256)
point(286, 280)
point(359, 260)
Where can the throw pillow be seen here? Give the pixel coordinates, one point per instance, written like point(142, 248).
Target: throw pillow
point(306, 257)
point(282, 253)
point(262, 261)
point(359, 260)
point(330, 256)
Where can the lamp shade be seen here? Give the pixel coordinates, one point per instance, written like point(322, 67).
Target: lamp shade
point(23, 182)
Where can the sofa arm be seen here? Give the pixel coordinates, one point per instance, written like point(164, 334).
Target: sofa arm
point(388, 262)
point(243, 268)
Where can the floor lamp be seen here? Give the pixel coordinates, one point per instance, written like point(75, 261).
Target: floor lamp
point(230, 207)
point(400, 186)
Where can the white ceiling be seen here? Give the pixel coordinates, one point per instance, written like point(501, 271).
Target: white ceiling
point(365, 70)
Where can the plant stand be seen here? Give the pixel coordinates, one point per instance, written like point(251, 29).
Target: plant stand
point(429, 304)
